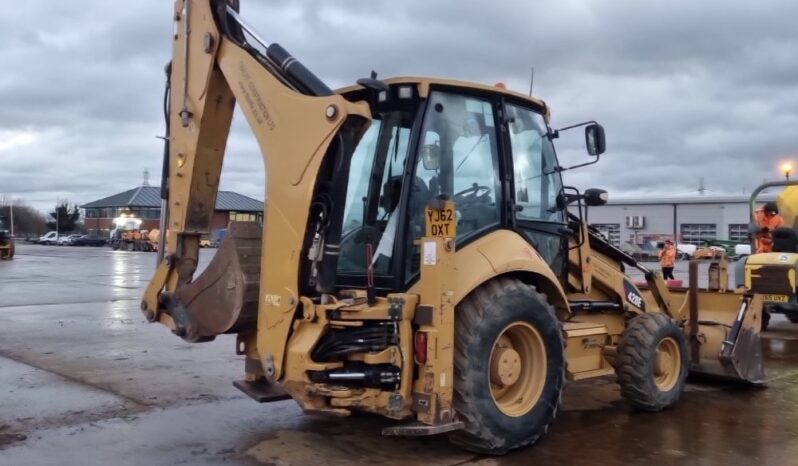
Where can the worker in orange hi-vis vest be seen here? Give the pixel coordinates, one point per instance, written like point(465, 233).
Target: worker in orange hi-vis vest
point(767, 219)
point(667, 259)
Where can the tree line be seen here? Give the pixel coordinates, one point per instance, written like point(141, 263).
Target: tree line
point(29, 221)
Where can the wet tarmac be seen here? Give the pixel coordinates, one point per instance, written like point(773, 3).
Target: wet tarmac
point(84, 380)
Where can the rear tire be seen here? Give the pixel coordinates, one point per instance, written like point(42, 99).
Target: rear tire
point(509, 367)
point(792, 317)
point(652, 362)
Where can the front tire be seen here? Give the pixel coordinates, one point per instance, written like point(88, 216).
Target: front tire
point(509, 366)
point(652, 362)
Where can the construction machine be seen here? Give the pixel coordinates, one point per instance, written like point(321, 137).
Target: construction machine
point(127, 234)
point(417, 259)
point(6, 242)
point(773, 274)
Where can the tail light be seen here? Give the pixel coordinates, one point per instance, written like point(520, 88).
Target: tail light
point(420, 347)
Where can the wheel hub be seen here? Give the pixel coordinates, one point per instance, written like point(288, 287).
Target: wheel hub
point(517, 369)
point(667, 364)
point(662, 365)
point(505, 367)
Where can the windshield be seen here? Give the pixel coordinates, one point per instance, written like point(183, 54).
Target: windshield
point(537, 183)
point(373, 193)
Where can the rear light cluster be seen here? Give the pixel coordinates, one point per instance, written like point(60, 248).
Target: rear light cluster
point(420, 347)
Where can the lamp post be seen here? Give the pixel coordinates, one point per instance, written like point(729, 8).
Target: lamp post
point(11, 209)
point(786, 167)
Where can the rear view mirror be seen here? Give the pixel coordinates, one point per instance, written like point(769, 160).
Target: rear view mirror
point(595, 197)
point(594, 139)
point(431, 156)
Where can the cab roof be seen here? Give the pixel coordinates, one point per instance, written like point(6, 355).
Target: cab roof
point(423, 84)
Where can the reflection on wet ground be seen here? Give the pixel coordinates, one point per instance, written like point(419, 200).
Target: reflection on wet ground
point(85, 380)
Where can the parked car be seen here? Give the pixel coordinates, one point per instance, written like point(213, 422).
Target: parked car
point(686, 251)
point(66, 240)
point(90, 240)
point(49, 238)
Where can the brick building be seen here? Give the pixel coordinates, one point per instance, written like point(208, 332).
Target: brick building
point(144, 202)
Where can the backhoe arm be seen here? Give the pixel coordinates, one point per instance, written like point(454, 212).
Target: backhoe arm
point(306, 134)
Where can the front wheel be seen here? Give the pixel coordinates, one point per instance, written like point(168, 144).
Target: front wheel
point(652, 362)
point(509, 367)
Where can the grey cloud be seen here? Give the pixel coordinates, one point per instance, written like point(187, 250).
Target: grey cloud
point(685, 89)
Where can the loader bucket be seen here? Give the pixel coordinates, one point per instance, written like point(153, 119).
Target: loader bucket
point(723, 333)
point(728, 340)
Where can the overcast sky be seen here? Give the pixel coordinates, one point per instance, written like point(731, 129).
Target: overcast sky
point(685, 89)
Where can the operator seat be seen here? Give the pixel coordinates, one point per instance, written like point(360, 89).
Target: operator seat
point(785, 240)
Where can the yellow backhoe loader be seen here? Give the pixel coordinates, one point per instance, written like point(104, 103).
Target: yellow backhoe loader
point(417, 258)
point(6, 242)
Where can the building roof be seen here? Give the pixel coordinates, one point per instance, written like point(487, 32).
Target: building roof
point(150, 196)
point(654, 200)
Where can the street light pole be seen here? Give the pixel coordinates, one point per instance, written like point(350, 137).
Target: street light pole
point(11, 208)
point(787, 169)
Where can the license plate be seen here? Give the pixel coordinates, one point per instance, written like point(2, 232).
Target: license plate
point(776, 298)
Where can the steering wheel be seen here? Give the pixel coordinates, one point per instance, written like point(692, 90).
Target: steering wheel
point(471, 194)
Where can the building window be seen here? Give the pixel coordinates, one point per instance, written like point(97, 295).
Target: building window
point(148, 212)
point(610, 231)
point(696, 233)
point(738, 232)
point(243, 217)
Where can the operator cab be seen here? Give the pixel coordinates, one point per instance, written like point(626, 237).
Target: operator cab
point(486, 148)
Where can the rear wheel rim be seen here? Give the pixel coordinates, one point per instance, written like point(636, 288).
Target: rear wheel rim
point(667, 364)
point(517, 369)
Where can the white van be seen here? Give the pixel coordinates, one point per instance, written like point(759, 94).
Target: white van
point(50, 238)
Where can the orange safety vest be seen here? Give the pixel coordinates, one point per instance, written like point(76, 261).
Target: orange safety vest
point(667, 257)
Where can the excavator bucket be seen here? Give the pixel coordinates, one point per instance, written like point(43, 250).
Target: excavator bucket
point(224, 298)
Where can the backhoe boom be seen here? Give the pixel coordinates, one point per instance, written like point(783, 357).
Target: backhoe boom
point(300, 135)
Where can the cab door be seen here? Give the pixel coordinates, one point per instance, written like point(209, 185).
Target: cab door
point(458, 156)
point(534, 185)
